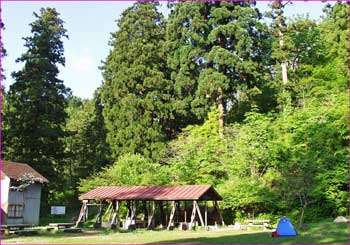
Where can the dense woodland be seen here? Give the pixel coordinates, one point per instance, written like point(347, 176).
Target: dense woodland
point(216, 93)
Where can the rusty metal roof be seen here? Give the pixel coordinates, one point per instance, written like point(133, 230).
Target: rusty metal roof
point(166, 193)
point(15, 170)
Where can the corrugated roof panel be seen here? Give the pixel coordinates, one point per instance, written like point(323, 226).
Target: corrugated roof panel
point(185, 192)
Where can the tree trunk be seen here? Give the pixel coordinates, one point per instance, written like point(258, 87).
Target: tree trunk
point(284, 62)
point(281, 26)
point(303, 203)
point(221, 108)
point(302, 215)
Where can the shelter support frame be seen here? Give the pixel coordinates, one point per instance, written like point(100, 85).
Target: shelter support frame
point(150, 216)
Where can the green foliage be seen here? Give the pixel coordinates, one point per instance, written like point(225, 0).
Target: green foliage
point(169, 86)
point(197, 156)
point(129, 169)
point(218, 56)
point(36, 101)
point(85, 144)
point(136, 93)
point(286, 162)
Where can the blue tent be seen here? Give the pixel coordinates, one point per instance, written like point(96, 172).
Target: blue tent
point(285, 228)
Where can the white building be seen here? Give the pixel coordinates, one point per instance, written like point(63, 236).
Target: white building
point(20, 193)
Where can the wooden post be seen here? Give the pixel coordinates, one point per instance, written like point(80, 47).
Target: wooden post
point(177, 211)
point(132, 208)
point(108, 211)
point(206, 215)
point(128, 213)
point(171, 220)
point(98, 221)
point(151, 220)
point(216, 205)
point(115, 219)
point(100, 213)
point(81, 217)
point(199, 214)
point(133, 211)
point(145, 210)
point(185, 213)
point(166, 213)
point(86, 213)
point(193, 215)
point(161, 212)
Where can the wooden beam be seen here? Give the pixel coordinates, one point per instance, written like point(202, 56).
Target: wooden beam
point(193, 215)
point(133, 210)
point(98, 220)
point(145, 210)
point(81, 217)
point(115, 218)
point(166, 213)
point(99, 215)
point(199, 213)
point(128, 213)
point(185, 213)
point(172, 215)
point(161, 211)
point(151, 220)
point(206, 215)
point(216, 205)
point(177, 211)
point(109, 211)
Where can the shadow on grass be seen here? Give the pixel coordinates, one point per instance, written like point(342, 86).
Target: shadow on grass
point(260, 238)
point(51, 235)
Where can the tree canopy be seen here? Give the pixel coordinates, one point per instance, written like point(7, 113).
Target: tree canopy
point(36, 101)
point(211, 94)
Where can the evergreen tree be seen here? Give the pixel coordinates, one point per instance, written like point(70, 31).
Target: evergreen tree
point(136, 93)
point(2, 91)
point(218, 55)
point(2, 50)
point(37, 100)
point(279, 30)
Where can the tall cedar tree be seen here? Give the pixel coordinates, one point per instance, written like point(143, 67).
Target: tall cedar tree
point(2, 50)
point(136, 94)
point(218, 55)
point(2, 89)
point(279, 29)
point(37, 100)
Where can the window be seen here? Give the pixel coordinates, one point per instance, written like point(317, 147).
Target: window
point(15, 211)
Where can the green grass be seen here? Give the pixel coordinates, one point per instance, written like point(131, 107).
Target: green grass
point(323, 233)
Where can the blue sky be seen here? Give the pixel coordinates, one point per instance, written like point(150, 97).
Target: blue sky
point(89, 25)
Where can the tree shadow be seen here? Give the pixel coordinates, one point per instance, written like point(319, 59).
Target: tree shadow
point(50, 234)
point(257, 238)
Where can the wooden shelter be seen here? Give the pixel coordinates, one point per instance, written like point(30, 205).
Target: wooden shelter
point(20, 193)
point(154, 202)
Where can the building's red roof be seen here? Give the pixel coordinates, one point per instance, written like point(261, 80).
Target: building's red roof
point(170, 193)
point(15, 170)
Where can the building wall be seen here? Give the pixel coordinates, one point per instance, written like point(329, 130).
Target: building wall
point(15, 198)
point(32, 204)
point(5, 184)
point(29, 199)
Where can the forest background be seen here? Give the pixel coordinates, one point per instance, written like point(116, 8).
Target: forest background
point(209, 95)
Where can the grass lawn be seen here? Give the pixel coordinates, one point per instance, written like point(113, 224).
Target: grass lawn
point(315, 233)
